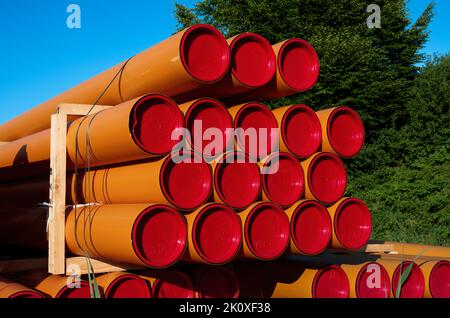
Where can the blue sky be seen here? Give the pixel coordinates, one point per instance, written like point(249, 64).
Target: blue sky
point(42, 57)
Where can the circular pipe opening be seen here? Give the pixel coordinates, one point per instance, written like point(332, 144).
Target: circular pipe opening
point(414, 285)
point(173, 284)
point(301, 131)
point(267, 231)
point(218, 283)
point(159, 236)
point(327, 178)
point(331, 282)
point(237, 181)
point(153, 119)
point(283, 180)
point(298, 65)
point(439, 280)
point(217, 234)
point(212, 114)
point(311, 228)
point(26, 295)
point(188, 184)
point(128, 286)
point(75, 293)
point(366, 285)
point(253, 60)
point(353, 223)
point(252, 121)
point(205, 53)
point(345, 132)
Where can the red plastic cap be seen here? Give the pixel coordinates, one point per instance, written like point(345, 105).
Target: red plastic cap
point(311, 228)
point(253, 61)
point(373, 281)
point(327, 178)
point(186, 185)
point(439, 281)
point(414, 286)
point(298, 65)
point(237, 183)
point(26, 295)
point(205, 53)
point(267, 231)
point(75, 293)
point(217, 234)
point(287, 184)
point(345, 132)
point(353, 223)
point(152, 121)
point(212, 114)
point(128, 286)
point(159, 236)
point(301, 131)
point(173, 284)
point(218, 283)
point(256, 119)
point(331, 282)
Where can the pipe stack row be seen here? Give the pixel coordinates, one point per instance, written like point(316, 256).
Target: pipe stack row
point(147, 187)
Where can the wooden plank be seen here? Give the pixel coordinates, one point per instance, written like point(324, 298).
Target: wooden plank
point(379, 248)
point(81, 264)
point(23, 265)
point(80, 109)
point(3, 143)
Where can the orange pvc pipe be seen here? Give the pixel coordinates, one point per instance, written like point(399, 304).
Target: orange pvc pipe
point(283, 179)
point(212, 114)
point(250, 121)
point(311, 228)
point(413, 287)
point(170, 284)
point(342, 131)
point(123, 285)
point(189, 59)
point(130, 131)
point(253, 65)
point(300, 130)
point(214, 235)
point(215, 282)
point(265, 231)
point(298, 69)
point(352, 224)
point(368, 280)
point(143, 235)
point(326, 178)
point(437, 278)
point(237, 181)
point(13, 290)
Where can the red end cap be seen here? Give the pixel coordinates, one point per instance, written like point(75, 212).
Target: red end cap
point(284, 180)
point(205, 53)
point(212, 114)
point(414, 286)
point(237, 181)
point(298, 64)
point(159, 236)
point(345, 132)
point(311, 228)
point(327, 178)
point(440, 280)
point(331, 282)
point(256, 120)
point(82, 292)
point(373, 281)
point(152, 121)
point(253, 61)
point(353, 223)
point(218, 283)
point(173, 285)
point(217, 234)
point(26, 295)
point(267, 231)
point(188, 184)
point(128, 286)
point(301, 131)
